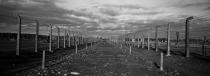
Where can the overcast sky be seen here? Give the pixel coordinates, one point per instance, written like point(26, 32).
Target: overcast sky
point(104, 16)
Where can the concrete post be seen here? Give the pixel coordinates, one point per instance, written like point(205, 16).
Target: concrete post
point(142, 46)
point(73, 39)
point(76, 47)
point(43, 59)
point(161, 61)
point(148, 41)
point(156, 38)
point(168, 41)
point(130, 50)
point(203, 46)
point(138, 40)
point(177, 38)
point(18, 37)
point(64, 39)
point(50, 44)
point(187, 51)
point(58, 43)
point(37, 36)
point(86, 43)
point(69, 38)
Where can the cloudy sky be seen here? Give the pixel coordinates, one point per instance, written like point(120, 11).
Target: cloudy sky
point(107, 17)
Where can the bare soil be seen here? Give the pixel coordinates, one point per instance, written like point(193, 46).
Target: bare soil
point(108, 59)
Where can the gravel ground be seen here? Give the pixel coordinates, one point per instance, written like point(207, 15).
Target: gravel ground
point(108, 59)
point(102, 59)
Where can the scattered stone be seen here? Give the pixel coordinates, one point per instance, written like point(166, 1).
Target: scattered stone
point(65, 74)
point(59, 72)
point(75, 73)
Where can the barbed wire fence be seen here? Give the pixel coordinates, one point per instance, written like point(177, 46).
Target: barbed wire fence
point(187, 36)
point(32, 36)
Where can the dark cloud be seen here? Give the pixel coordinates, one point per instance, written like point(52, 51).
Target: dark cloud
point(207, 8)
point(148, 13)
point(204, 3)
point(196, 4)
point(108, 20)
point(45, 10)
point(109, 11)
point(127, 6)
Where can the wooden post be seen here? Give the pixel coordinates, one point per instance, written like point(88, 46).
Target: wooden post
point(43, 59)
point(148, 41)
point(203, 46)
point(50, 44)
point(64, 39)
point(18, 37)
point(58, 37)
point(156, 38)
point(187, 51)
point(37, 36)
point(161, 61)
point(168, 41)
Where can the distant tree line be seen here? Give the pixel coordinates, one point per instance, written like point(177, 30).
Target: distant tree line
point(13, 36)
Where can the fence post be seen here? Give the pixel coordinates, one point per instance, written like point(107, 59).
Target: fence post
point(187, 51)
point(64, 39)
point(37, 36)
point(73, 39)
point(18, 37)
point(58, 37)
point(82, 40)
point(168, 41)
point(130, 50)
point(43, 59)
point(161, 61)
point(76, 43)
point(134, 40)
point(138, 40)
point(203, 46)
point(91, 43)
point(69, 38)
point(76, 47)
point(177, 38)
point(148, 41)
point(86, 43)
point(156, 38)
point(142, 46)
point(50, 45)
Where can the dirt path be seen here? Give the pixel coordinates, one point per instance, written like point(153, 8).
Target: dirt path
point(108, 59)
point(104, 59)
